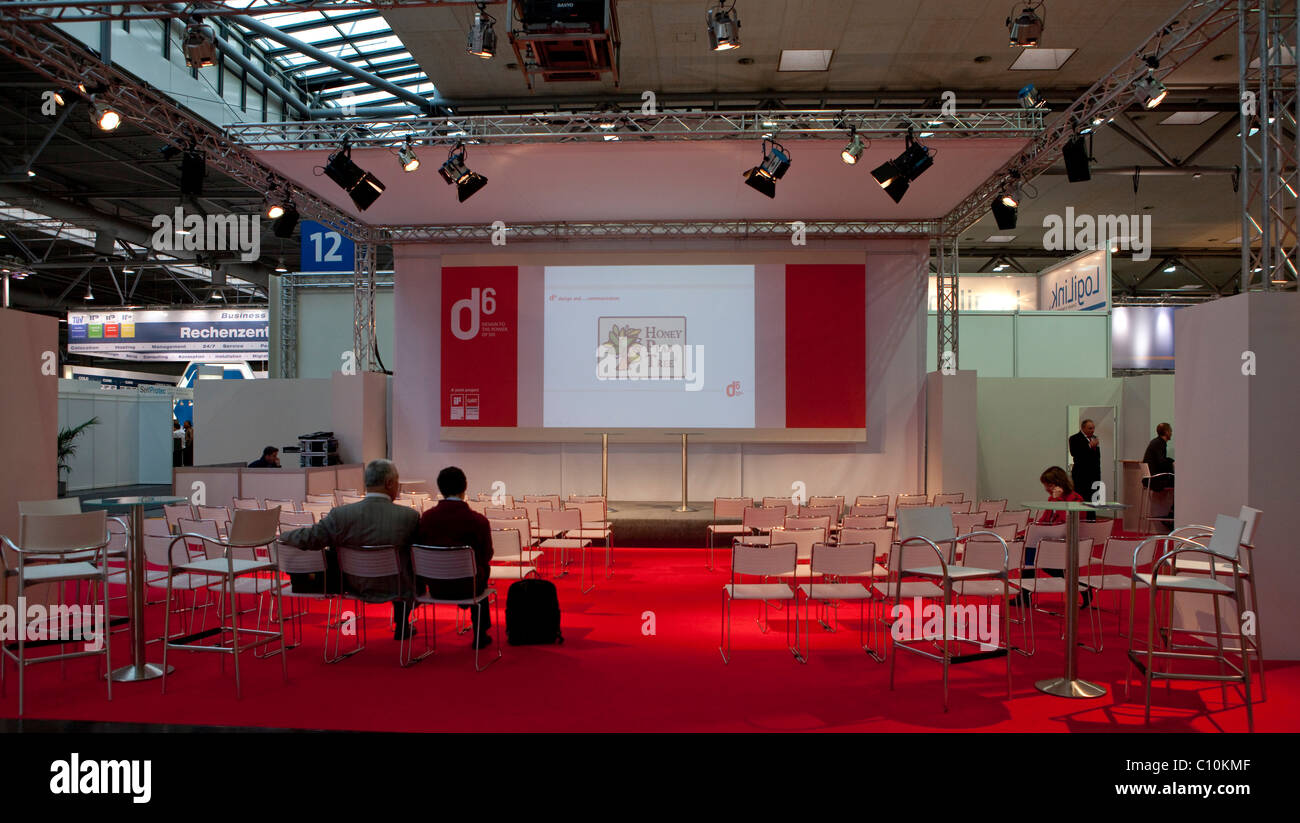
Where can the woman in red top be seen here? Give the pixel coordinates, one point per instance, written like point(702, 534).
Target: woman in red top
point(1056, 482)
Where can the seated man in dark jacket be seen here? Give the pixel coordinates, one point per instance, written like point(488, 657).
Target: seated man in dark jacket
point(453, 523)
point(1156, 458)
point(270, 459)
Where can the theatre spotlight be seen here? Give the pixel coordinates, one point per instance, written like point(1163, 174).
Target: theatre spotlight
point(896, 176)
point(284, 225)
point(193, 170)
point(482, 40)
point(776, 161)
point(454, 171)
point(362, 186)
point(1006, 210)
point(277, 203)
point(724, 26)
point(1150, 91)
point(1032, 98)
point(104, 116)
point(1075, 153)
point(406, 155)
point(1027, 27)
point(200, 46)
point(853, 150)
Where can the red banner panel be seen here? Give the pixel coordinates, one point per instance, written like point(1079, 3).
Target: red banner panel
point(480, 349)
point(825, 347)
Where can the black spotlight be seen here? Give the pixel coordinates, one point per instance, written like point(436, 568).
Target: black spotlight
point(776, 162)
point(362, 186)
point(193, 170)
point(1027, 27)
point(455, 172)
point(284, 225)
point(1006, 210)
point(1076, 160)
point(896, 176)
point(482, 39)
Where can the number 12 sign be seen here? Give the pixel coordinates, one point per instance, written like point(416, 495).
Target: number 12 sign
point(326, 250)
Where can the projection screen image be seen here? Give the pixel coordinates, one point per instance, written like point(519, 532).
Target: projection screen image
point(648, 347)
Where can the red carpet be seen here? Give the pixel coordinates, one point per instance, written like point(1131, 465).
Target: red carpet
point(609, 676)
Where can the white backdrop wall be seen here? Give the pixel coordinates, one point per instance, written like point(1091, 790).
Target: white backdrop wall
point(325, 329)
point(235, 419)
point(892, 459)
point(130, 445)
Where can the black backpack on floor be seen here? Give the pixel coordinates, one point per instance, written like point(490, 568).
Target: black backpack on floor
point(532, 613)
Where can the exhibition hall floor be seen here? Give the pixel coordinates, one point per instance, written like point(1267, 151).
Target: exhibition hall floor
point(613, 674)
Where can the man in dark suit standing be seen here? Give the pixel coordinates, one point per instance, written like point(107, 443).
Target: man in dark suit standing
point(453, 523)
point(375, 520)
point(1085, 451)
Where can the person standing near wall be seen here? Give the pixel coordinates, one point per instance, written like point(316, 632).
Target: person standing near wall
point(178, 444)
point(1085, 451)
point(188, 456)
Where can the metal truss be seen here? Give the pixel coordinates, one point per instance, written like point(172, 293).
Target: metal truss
point(288, 311)
point(784, 125)
point(53, 54)
point(946, 272)
point(649, 230)
point(363, 307)
point(1266, 46)
point(70, 11)
point(1190, 29)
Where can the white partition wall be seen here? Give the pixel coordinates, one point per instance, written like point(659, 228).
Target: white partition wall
point(1238, 399)
point(131, 444)
point(1029, 344)
point(951, 442)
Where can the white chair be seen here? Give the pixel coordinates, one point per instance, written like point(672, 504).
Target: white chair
point(959, 507)
point(764, 562)
point(726, 509)
point(967, 523)
point(1015, 517)
point(761, 521)
point(872, 500)
point(831, 513)
point(174, 513)
point(217, 514)
point(560, 524)
point(911, 500)
point(228, 561)
point(870, 510)
point(596, 526)
point(1223, 545)
point(783, 502)
point(492, 512)
point(945, 499)
point(991, 510)
point(57, 505)
point(527, 542)
point(510, 561)
point(371, 574)
point(292, 560)
point(1052, 554)
point(506, 500)
point(823, 501)
point(320, 497)
point(1117, 552)
point(1144, 503)
point(1251, 517)
point(158, 549)
point(809, 522)
point(804, 539)
point(58, 537)
point(531, 506)
point(984, 549)
point(834, 564)
point(284, 504)
point(290, 520)
point(344, 497)
point(245, 503)
point(450, 563)
point(317, 510)
point(929, 529)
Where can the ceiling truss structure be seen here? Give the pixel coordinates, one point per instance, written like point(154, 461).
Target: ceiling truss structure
point(85, 11)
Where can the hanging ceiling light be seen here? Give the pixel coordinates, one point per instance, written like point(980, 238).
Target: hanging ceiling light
point(482, 40)
point(200, 46)
point(1027, 27)
point(454, 171)
point(896, 176)
point(724, 26)
point(1006, 210)
point(406, 155)
point(362, 186)
point(854, 149)
point(104, 116)
point(90, 295)
point(1031, 98)
point(776, 162)
point(1077, 162)
point(1150, 91)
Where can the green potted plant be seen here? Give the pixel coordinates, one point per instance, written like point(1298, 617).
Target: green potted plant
point(67, 448)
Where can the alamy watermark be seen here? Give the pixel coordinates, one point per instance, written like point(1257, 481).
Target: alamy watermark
point(36, 622)
point(1087, 232)
point(930, 621)
point(179, 231)
point(626, 358)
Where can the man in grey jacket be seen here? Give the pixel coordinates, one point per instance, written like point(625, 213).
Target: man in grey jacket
point(374, 521)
